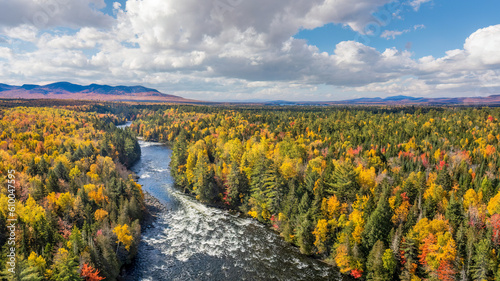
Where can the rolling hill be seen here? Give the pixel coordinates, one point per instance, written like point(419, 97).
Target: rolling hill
point(493, 100)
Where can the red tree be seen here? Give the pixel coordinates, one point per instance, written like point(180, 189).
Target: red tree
point(356, 273)
point(495, 225)
point(90, 273)
point(445, 271)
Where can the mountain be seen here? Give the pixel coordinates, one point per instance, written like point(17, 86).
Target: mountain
point(66, 90)
point(406, 100)
point(493, 100)
point(400, 98)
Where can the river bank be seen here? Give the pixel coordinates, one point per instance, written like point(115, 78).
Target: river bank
point(153, 208)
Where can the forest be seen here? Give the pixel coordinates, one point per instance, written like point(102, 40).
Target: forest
point(64, 171)
point(382, 193)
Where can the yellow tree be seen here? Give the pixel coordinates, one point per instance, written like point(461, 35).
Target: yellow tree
point(100, 214)
point(331, 207)
point(321, 232)
point(494, 205)
point(123, 234)
point(31, 212)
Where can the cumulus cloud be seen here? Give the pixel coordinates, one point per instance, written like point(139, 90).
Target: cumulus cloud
point(231, 49)
point(52, 13)
point(23, 32)
point(483, 45)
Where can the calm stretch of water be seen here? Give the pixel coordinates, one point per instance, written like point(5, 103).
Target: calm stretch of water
point(191, 241)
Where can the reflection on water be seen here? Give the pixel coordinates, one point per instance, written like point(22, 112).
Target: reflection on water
point(191, 241)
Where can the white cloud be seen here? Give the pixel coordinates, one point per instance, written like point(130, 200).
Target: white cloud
point(388, 34)
point(85, 38)
point(5, 53)
point(49, 13)
point(483, 45)
point(417, 3)
point(23, 32)
point(244, 50)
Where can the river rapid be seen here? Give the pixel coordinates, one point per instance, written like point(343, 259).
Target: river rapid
point(191, 241)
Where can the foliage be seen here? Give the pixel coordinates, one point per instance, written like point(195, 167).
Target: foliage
point(416, 187)
point(70, 186)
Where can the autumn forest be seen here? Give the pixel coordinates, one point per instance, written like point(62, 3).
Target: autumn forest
point(77, 208)
point(381, 193)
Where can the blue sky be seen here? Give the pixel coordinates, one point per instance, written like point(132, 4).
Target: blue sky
point(241, 50)
point(447, 24)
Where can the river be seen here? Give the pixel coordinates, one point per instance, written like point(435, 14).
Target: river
point(191, 241)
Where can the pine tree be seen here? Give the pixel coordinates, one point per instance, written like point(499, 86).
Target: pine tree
point(444, 179)
point(454, 212)
point(235, 186)
point(487, 187)
point(379, 224)
point(65, 267)
point(32, 168)
point(480, 269)
point(43, 166)
point(375, 267)
point(61, 172)
point(342, 182)
point(305, 238)
point(52, 182)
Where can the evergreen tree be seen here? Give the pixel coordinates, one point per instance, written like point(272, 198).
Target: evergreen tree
point(444, 179)
point(380, 263)
point(61, 172)
point(65, 267)
point(342, 182)
point(235, 186)
point(454, 212)
point(305, 238)
point(43, 166)
point(33, 168)
point(487, 188)
point(52, 182)
point(379, 224)
point(481, 267)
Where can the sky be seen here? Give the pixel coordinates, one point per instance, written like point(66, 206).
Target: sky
point(228, 50)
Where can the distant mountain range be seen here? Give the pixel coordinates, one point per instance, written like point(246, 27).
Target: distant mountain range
point(66, 90)
point(402, 100)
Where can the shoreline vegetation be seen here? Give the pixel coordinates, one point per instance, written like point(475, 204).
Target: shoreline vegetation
point(153, 209)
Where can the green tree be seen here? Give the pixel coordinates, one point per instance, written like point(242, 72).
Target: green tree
point(380, 264)
point(65, 267)
point(343, 182)
point(379, 224)
point(481, 266)
point(305, 238)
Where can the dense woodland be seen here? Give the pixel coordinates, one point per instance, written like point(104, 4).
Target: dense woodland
point(381, 193)
point(77, 208)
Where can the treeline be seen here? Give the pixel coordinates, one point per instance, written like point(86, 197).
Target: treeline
point(77, 209)
point(382, 193)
